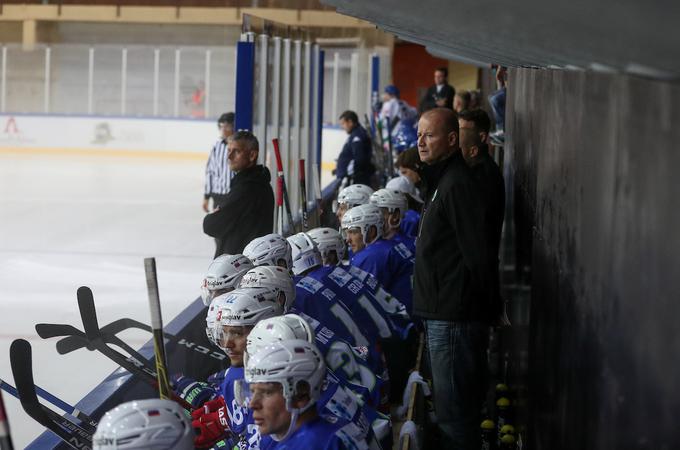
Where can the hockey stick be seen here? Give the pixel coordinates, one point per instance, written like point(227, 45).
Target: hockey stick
point(316, 188)
point(303, 195)
point(22, 367)
point(282, 182)
point(5, 436)
point(88, 314)
point(59, 403)
point(75, 340)
point(157, 326)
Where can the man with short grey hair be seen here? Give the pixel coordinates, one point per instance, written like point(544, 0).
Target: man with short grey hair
point(247, 211)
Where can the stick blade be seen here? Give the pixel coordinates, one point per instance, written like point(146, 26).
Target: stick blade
point(88, 313)
point(21, 360)
point(50, 330)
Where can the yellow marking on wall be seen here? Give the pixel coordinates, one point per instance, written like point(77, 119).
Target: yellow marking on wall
point(65, 151)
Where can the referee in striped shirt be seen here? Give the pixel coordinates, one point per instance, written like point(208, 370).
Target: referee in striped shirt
point(217, 173)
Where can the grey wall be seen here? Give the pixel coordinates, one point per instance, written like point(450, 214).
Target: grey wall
point(596, 162)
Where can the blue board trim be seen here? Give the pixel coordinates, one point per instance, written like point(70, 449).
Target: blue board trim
point(245, 85)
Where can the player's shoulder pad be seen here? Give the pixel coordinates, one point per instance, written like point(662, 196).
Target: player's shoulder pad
point(339, 276)
point(310, 284)
point(403, 251)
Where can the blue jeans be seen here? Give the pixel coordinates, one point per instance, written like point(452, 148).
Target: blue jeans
point(460, 376)
point(497, 102)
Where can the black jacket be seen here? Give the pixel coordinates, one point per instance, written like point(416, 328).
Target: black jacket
point(453, 275)
point(358, 148)
point(246, 213)
point(428, 101)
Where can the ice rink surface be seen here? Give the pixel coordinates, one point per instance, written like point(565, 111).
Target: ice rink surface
point(68, 220)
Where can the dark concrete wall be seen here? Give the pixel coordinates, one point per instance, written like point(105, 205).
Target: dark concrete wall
point(597, 160)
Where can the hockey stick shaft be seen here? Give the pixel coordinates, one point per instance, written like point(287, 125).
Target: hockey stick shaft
point(22, 368)
point(282, 177)
point(303, 194)
point(157, 328)
point(56, 401)
point(5, 436)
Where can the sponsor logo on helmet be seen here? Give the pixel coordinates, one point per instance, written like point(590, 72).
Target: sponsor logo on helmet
point(256, 371)
point(231, 317)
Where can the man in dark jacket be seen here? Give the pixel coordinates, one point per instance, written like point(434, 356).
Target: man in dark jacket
point(354, 160)
point(440, 94)
point(247, 211)
point(453, 291)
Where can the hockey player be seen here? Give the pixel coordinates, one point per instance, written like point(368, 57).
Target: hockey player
point(144, 424)
point(285, 380)
point(393, 205)
point(351, 196)
point(269, 250)
point(331, 296)
point(390, 262)
point(223, 275)
point(243, 308)
point(338, 396)
point(410, 222)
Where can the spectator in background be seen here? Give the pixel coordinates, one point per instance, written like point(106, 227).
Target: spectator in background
point(475, 99)
point(453, 290)
point(474, 130)
point(217, 173)
point(440, 94)
point(247, 211)
point(394, 107)
point(354, 161)
point(409, 165)
point(497, 102)
point(461, 101)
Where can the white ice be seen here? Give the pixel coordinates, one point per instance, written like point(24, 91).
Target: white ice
point(68, 220)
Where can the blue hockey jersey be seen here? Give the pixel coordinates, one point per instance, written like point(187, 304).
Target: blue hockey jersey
point(410, 223)
point(392, 264)
point(320, 434)
point(318, 298)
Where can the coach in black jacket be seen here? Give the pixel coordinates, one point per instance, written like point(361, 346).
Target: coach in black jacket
point(440, 94)
point(247, 211)
point(452, 280)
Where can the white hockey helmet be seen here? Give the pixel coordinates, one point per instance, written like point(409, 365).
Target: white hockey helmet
point(269, 250)
point(272, 277)
point(224, 272)
point(281, 328)
point(354, 195)
point(328, 240)
point(363, 217)
point(403, 184)
point(151, 424)
point(245, 307)
point(289, 363)
point(305, 253)
point(390, 199)
point(211, 317)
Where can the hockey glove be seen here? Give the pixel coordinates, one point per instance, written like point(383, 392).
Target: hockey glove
point(194, 392)
point(210, 423)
